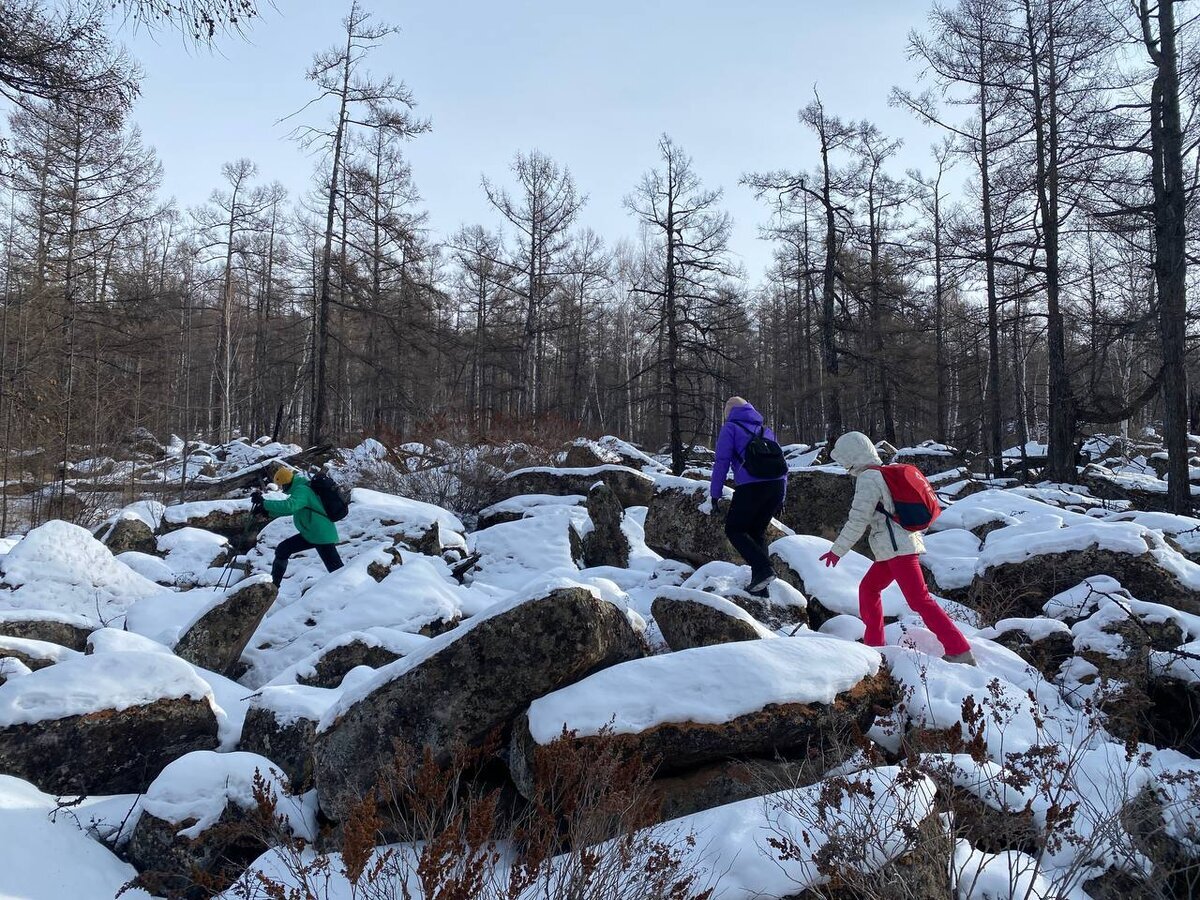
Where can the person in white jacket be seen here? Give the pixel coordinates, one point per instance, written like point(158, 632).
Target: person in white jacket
point(896, 551)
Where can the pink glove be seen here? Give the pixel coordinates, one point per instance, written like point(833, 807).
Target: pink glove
point(830, 559)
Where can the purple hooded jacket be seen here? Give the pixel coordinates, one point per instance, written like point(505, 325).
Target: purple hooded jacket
point(741, 426)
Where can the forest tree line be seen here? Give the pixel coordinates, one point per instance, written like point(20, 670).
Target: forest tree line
point(1027, 284)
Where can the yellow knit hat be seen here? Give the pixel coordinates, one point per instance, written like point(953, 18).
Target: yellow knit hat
point(283, 476)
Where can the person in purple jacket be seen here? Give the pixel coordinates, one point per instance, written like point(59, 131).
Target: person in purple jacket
point(755, 500)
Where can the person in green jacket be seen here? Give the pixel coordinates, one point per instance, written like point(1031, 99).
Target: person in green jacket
point(304, 506)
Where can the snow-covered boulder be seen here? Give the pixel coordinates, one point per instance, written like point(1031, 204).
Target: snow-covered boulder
point(129, 532)
point(46, 855)
point(1147, 492)
point(632, 487)
point(231, 519)
point(605, 544)
point(509, 554)
point(281, 724)
point(1021, 567)
point(216, 638)
point(63, 629)
point(467, 683)
point(783, 606)
point(680, 711)
point(931, 457)
point(151, 567)
point(689, 618)
point(417, 596)
point(60, 569)
point(1042, 642)
point(582, 453)
point(676, 528)
point(187, 841)
point(373, 648)
point(34, 654)
point(524, 506)
point(105, 724)
point(190, 554)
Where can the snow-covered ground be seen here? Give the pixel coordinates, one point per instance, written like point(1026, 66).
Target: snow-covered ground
point(1040, 744)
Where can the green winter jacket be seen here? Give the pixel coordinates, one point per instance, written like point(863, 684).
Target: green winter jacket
point(305, 508)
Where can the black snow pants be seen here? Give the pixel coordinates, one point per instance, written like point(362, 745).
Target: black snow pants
point(750, 512)
point(298, 544)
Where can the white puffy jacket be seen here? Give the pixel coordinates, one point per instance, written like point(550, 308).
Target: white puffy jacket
point(855, 452)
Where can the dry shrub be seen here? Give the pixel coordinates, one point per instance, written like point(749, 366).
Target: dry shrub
point(460, 832)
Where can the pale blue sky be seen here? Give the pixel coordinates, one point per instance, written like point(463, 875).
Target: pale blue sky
point(592, 84)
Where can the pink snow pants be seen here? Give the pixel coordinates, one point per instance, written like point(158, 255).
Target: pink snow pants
point(906, 572)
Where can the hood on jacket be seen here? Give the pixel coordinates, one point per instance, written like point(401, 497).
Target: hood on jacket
point(855, 452)
point(747, 415)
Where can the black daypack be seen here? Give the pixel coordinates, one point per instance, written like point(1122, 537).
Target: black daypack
point(335, 498)
point(763, 457)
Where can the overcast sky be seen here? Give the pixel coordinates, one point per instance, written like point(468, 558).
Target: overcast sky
point(593, 84)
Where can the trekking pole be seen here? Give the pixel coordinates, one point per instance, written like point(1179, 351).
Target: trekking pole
point(227, 572)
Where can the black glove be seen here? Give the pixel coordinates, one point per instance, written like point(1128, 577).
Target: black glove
point(256, 504)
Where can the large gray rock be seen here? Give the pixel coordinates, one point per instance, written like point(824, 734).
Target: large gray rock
point(33, 654)
point(216, 640)
point(467, 685)
point(689, 618)
point(1019, 589)
point(677, 529)
point(818, 501)
point(931, 458)
point(65, 630)
point(1043, 643)
point(129, 533)
point(606, 544)
point(633, 488)
point(332, 666)
point(108, 752)
point(231, 519)
point(584, 454)
point(193, 847)
point(783, 720)
point(281, 725)
point(731, 780)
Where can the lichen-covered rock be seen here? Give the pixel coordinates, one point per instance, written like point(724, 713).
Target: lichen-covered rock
point(34, 654)
point(584, 454)
point(129, 533)
point(281, 724)
point(103, 724)
point(731, 780)
point(677, 529)
point(232, 519)
point(523, 506)
point(216, 640)
point(34, 625)
point(686, 709)
point(1019, 589)
point(690, 618)
point(633, 488)
point(200, 824)
point(606, 544)
point(372, 648)
point(818, 501)
point(465, 685)
point(1043, 643)
point(931, 458)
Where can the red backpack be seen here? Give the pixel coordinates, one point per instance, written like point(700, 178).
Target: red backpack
point(916, 504)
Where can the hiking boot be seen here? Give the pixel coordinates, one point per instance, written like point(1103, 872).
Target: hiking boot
point(966, 658)
point(758, 586)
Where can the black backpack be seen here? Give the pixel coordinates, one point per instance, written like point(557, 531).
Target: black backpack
point(763, 457)
point(334, 497)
